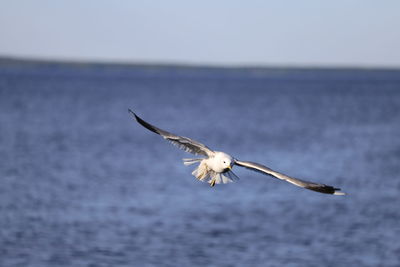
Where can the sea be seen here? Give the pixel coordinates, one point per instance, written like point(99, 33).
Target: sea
point(83, 184)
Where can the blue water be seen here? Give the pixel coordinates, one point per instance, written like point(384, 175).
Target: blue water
point(82, 184)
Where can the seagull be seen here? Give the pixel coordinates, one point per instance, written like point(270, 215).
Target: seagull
point(215, 167)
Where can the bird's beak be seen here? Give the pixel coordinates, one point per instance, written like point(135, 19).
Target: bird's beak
point(227, 169)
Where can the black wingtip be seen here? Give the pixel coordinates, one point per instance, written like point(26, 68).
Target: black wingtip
point(137, 118)
point(134, 114)
point(144, 124)
point(325, 189)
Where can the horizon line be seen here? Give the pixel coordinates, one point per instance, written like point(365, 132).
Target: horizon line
point(180, 64)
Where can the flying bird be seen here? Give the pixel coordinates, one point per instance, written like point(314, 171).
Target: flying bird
point(215, 167)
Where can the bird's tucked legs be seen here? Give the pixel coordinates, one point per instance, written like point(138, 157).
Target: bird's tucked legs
point(212, 182)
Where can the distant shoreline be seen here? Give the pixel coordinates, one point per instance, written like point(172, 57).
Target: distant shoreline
point(15, 60)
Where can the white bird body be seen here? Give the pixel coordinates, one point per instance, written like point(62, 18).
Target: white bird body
point(216, 167)
point(220, 162)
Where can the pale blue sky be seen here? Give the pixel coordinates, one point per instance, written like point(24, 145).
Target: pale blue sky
point(302, 33)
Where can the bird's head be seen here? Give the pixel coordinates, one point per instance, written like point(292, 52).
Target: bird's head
point(226, 161)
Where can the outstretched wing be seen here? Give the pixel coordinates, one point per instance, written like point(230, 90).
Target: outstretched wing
point(184, 143)
point(321, 188)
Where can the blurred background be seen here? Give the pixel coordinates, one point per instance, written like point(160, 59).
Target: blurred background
point(310, 89)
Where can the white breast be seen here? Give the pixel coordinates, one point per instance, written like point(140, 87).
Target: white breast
point(214, 164)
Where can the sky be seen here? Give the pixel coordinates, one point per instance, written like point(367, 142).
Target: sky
point(346, 33)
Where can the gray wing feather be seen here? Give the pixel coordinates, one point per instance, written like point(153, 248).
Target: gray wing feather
point(183, 143)
point(321, 188)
